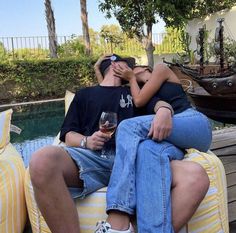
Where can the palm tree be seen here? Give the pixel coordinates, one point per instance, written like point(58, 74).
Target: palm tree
point(85, 28)
point(51, 29)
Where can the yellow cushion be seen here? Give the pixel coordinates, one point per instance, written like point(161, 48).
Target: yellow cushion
point(212, 214)
point(210, 217)
point(12, 198)
point(5, 122)
point(68, 99)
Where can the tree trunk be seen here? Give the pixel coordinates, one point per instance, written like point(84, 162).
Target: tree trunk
point(149, 48)
point(85, 28)
point(51, 29)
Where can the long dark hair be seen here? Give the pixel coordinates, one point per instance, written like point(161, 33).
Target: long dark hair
point(144, 66)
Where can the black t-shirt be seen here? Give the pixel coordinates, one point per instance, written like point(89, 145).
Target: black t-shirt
point(173, 94)
point(88, 104)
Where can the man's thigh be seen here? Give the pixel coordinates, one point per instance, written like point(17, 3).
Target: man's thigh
point(94, 170)
point(51, 161)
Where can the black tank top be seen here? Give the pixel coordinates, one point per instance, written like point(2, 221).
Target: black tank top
point(174, 94)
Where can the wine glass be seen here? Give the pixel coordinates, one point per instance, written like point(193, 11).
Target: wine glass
point(107, 125)
point(108, 122)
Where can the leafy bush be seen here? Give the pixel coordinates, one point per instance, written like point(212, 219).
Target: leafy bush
point(230, 50)
point(30, 54)
point(3, 53)
point(44, 78)
point(71, 48)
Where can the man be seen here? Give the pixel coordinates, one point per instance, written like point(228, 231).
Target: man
point(80, 164)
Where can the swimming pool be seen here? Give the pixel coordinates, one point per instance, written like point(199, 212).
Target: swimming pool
point(39, 123)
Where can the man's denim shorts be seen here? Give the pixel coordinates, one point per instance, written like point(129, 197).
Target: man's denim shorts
point(95, 169)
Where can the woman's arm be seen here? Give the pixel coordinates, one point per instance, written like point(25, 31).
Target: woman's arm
point(97, 66)
point(160, 74)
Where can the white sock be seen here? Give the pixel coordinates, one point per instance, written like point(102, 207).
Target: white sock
point(116, 231)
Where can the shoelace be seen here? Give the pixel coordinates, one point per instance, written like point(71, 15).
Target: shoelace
point(101, 228)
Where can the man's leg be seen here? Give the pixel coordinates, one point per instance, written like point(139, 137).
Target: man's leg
point(153, 186)
point(190, 183)
point(51, 171)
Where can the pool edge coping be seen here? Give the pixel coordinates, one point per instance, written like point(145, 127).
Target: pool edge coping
point(31, 102)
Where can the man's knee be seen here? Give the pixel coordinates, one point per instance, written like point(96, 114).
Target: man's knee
point(144, 146)
point(147, 147)
point(126, 125)
point(43, 164)
point(157, 148)
point(190, 174)
point(199, 178)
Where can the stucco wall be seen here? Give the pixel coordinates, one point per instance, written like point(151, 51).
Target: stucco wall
point(142, 60)
point(211, 24)
point(193, 29)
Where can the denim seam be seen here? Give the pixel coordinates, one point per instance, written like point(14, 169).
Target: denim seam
point(135, 141)
point(163, 193)
point(134, 171)
point(164, 188)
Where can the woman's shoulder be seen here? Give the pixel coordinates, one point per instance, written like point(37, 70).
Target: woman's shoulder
point(167, 72)
point(162, 70)
point(161, 67)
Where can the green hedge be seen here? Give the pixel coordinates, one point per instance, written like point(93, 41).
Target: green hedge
point(32, 80)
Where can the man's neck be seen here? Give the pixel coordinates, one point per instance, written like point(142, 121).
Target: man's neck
point(111, 80)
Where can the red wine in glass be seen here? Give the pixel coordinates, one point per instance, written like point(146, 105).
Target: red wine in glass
point(108, 122)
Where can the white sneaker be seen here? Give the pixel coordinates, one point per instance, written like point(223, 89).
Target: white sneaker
point(105, 227)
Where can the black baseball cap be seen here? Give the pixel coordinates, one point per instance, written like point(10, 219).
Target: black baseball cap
point(130, 61)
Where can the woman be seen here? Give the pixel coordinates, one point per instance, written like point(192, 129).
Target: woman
point(191, 129)
point(165, 85)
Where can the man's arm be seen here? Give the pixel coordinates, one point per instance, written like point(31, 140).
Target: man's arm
point(73, 127)
point(74, 139)
point(94, 142)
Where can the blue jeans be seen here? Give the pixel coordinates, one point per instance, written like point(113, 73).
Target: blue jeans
point(94, 170)
point(191, 129)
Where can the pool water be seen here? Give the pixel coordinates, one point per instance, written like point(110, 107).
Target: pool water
point(37, 120)
point(40, 123)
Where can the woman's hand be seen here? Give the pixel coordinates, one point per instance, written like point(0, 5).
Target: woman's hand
point(97, 65)
point(123, 71)
point(161, 125)
point(100, 59)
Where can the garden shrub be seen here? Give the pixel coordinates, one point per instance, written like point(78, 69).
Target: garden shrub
point(43, 79)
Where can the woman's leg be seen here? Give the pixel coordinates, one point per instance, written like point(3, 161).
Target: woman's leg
point(153, 185)
point(190, 129)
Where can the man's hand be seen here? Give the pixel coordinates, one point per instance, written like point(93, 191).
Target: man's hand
point(161, 125)
point(96, 140)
